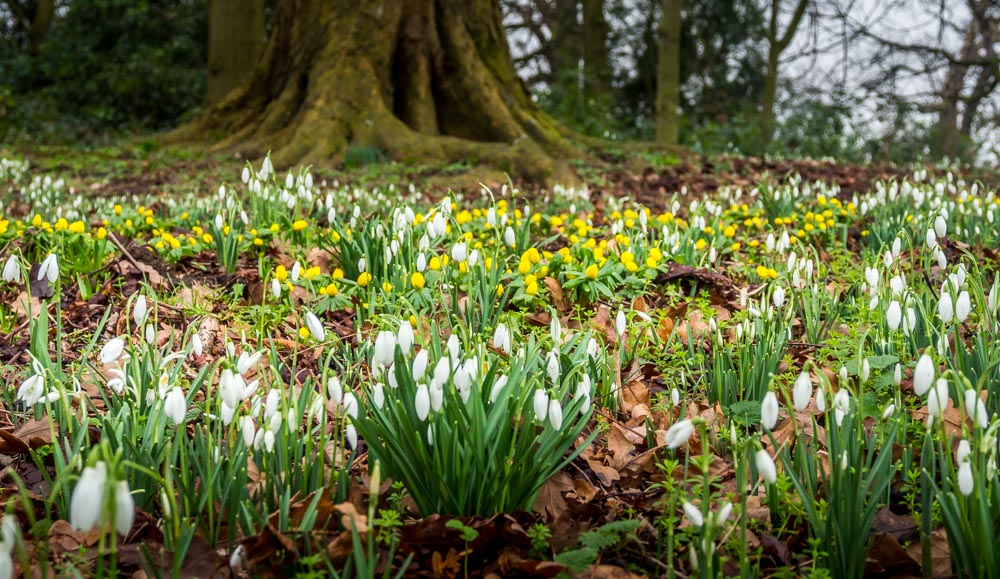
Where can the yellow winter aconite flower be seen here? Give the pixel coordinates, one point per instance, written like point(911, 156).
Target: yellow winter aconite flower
point(118, 209)
point(337, 273)
point(729, 231)
point(101, 233)
point(386, 287)
point(434, 264)
point(207, 238)
point(499, 290)
point(304, 333)
point(417, 280)
point(364, 278)
point(591, 271)
point(77, 227)
point(312, 272)
point(331, 290)
point(299, 225)
point(280, 273)
point(61, 224)
point(700, 244)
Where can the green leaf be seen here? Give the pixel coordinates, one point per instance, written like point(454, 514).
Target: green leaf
point(578, 559)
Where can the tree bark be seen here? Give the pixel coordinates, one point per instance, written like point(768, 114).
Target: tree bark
point(427, 80)
point(776, 44)
point(669, 73)
point(235, 42)
point(948, 143)
point(41, 23)
point(595, 49)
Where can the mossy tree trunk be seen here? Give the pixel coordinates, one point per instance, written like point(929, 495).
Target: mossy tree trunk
point(423, 80)
point(668, 77)
point(235, 41)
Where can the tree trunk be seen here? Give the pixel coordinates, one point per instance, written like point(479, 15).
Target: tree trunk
point(776, 44)
point(428, 80)
point(669, 72)
point(595, 49)
point(45, 11)
point(235, 41)
point(948, 141)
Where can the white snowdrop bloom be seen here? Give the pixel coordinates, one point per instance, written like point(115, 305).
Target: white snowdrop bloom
point(873, 304)
point(540, 405)
point(437, 396)
point(552, 366)
point(975, 408)
point(124, 508)
point(497, 388)
point(843, 461)
point(555, 414)
point(422, 402)
point(871, 277)
point(620, 323)
point(693, 514)
point(865, 370)
point(175, 405)
point(315, 326)
point(12, 270)
point(897, 246)
point(442, 371)
point(248, 361)
point(769, 411)
point(351, 433)
point(196, 344)
point(247, 430)
point(473, 258)
point(275, 288)
point(593, 348)
point(404, 336)
point(334, 390)
point(778, 297)
point(226, 412)
point(86, 503)
point(501, 338)
point(378, 395)
point(245, 177)
point(269, 441)
point(946, 310)
point(231, 388)
point(940, 227)
point(937, 398)
point(139, 310)
point(931, 239)
point(894, 316)
point(420, 365)
point(454, 347)
point(963, 451)
point(678, 433)
point(112, 350)
point(841, 405)
point(966, 484)
point(897, 284)
point(889, 411)
point(675, 396)
point(458, 252)
point(766, 466)
point(820, 399)
point(421, 263)
point(923, 375)
point(32, 390)
point(49, 268)
point(150, 333)
point(897, 375)
point(942, 259)
point(509, 237)
point(963, 306)
point(351, 405)
point(802, 391)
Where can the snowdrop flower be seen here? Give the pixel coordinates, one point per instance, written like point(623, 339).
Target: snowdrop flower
point(32, 390)
point(842, 374)
point(508, 237)
point(275, 288)
point(678, 433)
point(966, 484)
point(422, 402)
point(437, 396)
point(975, 408)
point(871, 277)
point(865, 370)
point(12, 270)
point(931, 239)
point(404, 336)
point(945, 308)
point(778, 297)
point(139, 310)
point(889, 411)
point(766, 466)
point(498, 387)
point(124, 508)
point(112, 351)
point(474, 258)
point(49, 268)
point(937, 398)
point(334, 390)
point(196, 345)
point(841, 405)
point(350, 405)
point(820, 399)
point(923, 375)
point(894, 316)
point(87, 500)
point(897, 246)
point(963, 451)
point(352, 436)
point(620, 323)
point(541, 405)
point(247, 362)
point(419, 365)
point(231, 388)
point(802, 391)
point(150, 333)
point(247, 430)
point(555, 414)
point(897, 375)
point(501, 338)
point(385, 348)
point(552, 367)
point(315, 326)
point(769, 411)
point(963, 306)
point(693, 514)
point(175, 405)
point(269, 441)
point(454, 348)
point(675, 396)
point(940, 227)
point(458, 252)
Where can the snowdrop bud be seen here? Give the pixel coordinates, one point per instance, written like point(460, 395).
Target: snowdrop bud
point(541, 405)
point(675, 396)
point(923, 375)
point(940, 227)
point(275, 288)
point(453, 346)
point(865, 370)
point(893, 316)
point(351, 433)
point(889, 411)
point(196, 345)
point(334, 390)
point(937, 398)
point(442, 371)
point(139, 310)
point(678, 433)
point(245, 177)
point(419, 365)
point(620, 323)
point(942, 259)
point(12, 270)
point(966, 484)
point(289, 181)
point(421, 263)
point(218, 217)
point(124, 508)
point(873, 304)
point(897, 246)
point(843, 461)
point(769, 411)
point(404, 337)
point(802, 391)
point(963, 451)
point(269, 441)
point(693, 514)
point(508, 237)
point(112, 351)
point(351, 405)
point(498, 387)
point(315, 326)
point(963, 306)
point(946, 310)
point(766, 466)
point(820, 399)
point(87, 502)
point(555, 414)
point(897, 375)
point(150, 333)
point(842, 374)
point(723, 515)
